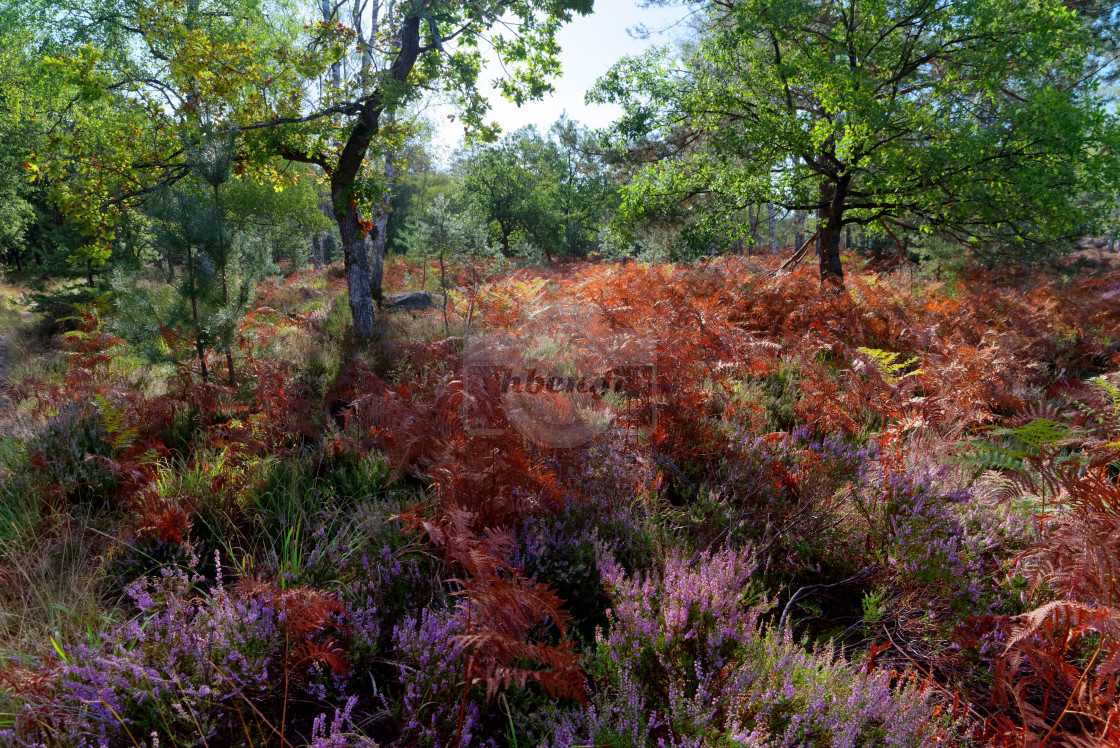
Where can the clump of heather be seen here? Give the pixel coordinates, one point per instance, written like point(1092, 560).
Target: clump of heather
point(359, 550)
point(430, 662)
point(784, 491)
point(337, 730)
point(687, 663)
point(561, 550)
point(191, 666)
point(60, 456)
point(939, 539)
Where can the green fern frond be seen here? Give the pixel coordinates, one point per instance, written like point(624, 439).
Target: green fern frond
point(120, 436)
point(890, 368)
point(988, 456)
point(1109, 389)
point(1038, 433)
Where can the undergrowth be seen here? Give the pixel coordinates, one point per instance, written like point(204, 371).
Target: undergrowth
point(739, 513)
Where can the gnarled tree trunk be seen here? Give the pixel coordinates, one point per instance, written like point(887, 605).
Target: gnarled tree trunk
point(356, 256)
point(316, 251)
point(830, 224)
point(363, 264)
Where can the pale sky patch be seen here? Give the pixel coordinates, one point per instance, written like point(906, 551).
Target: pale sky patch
point(590, 45)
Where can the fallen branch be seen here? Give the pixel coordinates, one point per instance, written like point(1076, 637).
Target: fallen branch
point(798, 256)
point(857, 577)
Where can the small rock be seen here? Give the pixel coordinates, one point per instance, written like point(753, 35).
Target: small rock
point(411, 301)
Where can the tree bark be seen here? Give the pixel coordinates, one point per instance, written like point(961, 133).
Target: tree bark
point(363, 275)
point(328, 9)
point(355, 255)
point(364, 266)
point(194, 316)
point(380, 235)
point(830, 223)
point(376, 244)
point(316, 251)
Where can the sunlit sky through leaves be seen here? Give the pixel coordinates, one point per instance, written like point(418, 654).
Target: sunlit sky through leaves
point(591, 44)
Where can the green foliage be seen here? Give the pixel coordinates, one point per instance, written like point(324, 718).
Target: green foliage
point(1111, 390)
point(511, 189)
point(539, 195)
point(1008, 448)
point(194, 227)
point(413, 193)
point(890, 368)
point(442, 235)
point(873, 608)
point(32, 233)
point(970, 119)
point(277, 219)
point(1036, 433)
point(775, 397)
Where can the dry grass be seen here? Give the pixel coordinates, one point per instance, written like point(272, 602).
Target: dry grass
point(50, 589)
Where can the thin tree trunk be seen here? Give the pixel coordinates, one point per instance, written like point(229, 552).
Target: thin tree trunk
point(380, 234)
point(798, 225)
point(225, 277)
point(316, 251)
point(773, 222)
point(328, 9)
point(376, 250)
point(194, 315)
point(443, 289)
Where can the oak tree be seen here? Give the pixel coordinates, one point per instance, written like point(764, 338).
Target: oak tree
point(319, 84)
point(960, 116)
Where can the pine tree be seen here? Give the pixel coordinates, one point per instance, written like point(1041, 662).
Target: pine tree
point(219, 268)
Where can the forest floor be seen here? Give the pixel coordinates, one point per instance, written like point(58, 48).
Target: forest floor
point(619, 505)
